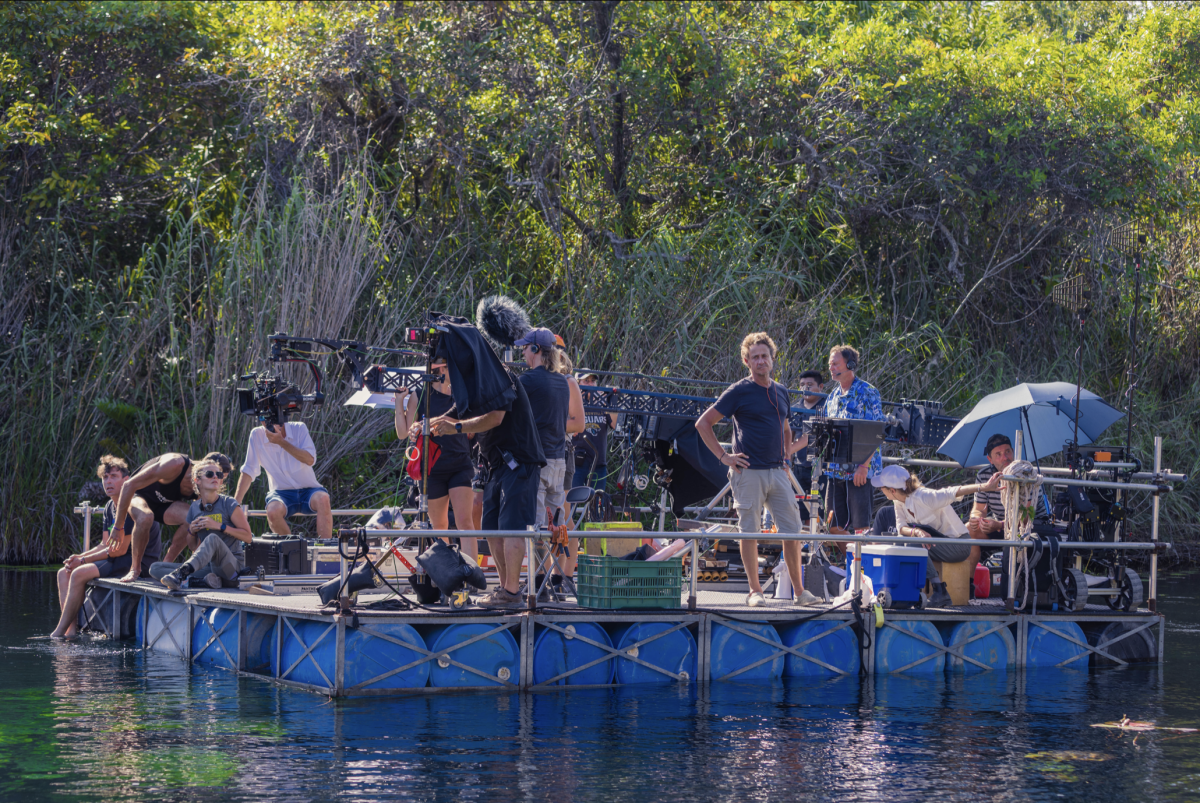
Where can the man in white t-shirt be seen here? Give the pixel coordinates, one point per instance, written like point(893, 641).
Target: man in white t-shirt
point(287, 453)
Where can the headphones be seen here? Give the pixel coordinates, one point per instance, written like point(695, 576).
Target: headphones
point(851, 361)
point(536, 348)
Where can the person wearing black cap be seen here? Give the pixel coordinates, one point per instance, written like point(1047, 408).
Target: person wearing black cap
point(558, 412)
point(987, 514)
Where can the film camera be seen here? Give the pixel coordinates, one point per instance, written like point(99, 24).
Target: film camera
point(271, 399)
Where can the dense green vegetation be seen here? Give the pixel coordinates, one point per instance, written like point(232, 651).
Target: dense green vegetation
point(651, 179)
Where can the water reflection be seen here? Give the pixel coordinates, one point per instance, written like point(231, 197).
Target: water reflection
point(98, 720)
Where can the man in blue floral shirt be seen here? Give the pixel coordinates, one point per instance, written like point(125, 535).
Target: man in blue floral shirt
point(848, 492)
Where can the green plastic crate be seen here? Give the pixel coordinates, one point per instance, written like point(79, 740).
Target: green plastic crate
point(603, 581)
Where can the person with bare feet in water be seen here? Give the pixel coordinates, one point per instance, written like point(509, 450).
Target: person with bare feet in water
point(159, 492)
point(218, 532)
point(111, 557)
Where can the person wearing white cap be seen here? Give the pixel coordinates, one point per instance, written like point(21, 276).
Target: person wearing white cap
point(922, 512)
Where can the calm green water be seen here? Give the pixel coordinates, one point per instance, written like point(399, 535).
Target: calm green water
point(100, 721)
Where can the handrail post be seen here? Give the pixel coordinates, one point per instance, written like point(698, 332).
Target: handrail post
point(1010, 534)
point(692, 580)
point(87, 525)
point(1153, 601)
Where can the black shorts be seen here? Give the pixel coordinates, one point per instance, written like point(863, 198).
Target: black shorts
point(440, 482)
point(115, 566)
point(157, 506)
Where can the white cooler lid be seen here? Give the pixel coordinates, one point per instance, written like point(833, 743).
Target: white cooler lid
point(895, 550)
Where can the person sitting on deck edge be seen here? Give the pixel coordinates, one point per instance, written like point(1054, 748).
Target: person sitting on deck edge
point(287, 452)
point(111, 557)
point(217, 531)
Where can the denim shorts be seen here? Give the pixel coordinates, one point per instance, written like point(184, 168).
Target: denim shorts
point(296, 499)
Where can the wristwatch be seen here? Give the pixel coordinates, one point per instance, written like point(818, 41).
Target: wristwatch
point(458, 426)
point(224, 525)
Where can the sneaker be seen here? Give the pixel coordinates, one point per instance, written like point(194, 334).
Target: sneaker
point(500, 598)
point(807, 598)
point(755, 599)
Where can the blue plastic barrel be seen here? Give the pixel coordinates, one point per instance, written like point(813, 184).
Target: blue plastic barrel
point(895, 648)
point(322, 658)
point(838, 649)
point(260, 641)
point(998, 650)
point(674, 652)
point(1046, 645)
point(367, 657)
point(556, 653)
point(731, 651)
point(222, 652)
point(141, 617)
point(496, 655)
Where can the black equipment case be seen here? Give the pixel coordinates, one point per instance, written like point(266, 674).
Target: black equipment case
point(277, 554)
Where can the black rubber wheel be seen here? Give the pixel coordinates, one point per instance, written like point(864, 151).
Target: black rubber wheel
point(1130, 587)
point(1075, 584)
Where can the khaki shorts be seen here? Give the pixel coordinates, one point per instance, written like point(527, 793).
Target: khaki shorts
point(754, 488)
point(551, 492)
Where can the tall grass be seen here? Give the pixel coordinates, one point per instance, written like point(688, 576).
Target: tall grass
point(144, 363)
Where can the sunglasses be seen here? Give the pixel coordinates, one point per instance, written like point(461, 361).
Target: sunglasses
point(210, 474)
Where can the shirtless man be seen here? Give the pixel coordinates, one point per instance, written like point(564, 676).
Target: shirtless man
point(160, 491)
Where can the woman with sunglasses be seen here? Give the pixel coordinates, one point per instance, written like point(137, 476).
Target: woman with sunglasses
point(218, 532)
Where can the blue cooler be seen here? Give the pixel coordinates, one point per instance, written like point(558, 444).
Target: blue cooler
point(899, 569)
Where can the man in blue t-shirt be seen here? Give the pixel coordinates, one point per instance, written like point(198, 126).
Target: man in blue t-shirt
point(758, 472)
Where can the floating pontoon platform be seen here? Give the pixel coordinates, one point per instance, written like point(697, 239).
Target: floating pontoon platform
point(291, 640)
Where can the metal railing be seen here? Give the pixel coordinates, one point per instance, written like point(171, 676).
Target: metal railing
point(1012, 542)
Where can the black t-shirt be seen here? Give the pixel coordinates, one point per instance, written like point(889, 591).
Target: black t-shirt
point(456, 449)
point(759, 415)
point(153, 546)
point(550, 399)
point(593, 440)
point(517, 435)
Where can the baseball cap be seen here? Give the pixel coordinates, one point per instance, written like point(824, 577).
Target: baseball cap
point(538, 336)
point(891, 477)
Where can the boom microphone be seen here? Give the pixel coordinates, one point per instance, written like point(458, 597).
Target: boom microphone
point(502, 320)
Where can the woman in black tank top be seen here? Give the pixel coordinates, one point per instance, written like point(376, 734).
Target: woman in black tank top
point(450, 477)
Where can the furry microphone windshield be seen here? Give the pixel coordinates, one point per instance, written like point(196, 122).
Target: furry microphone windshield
point(502, 320)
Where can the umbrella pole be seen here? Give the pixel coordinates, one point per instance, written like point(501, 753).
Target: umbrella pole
point(1079, 376)
point(1133, 316)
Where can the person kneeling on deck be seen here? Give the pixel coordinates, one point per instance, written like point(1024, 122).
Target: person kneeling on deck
point(287, 452)
point(217, 532)
point(111, 557)
point(922, 512)
point(758, 467)
point(158, 492)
